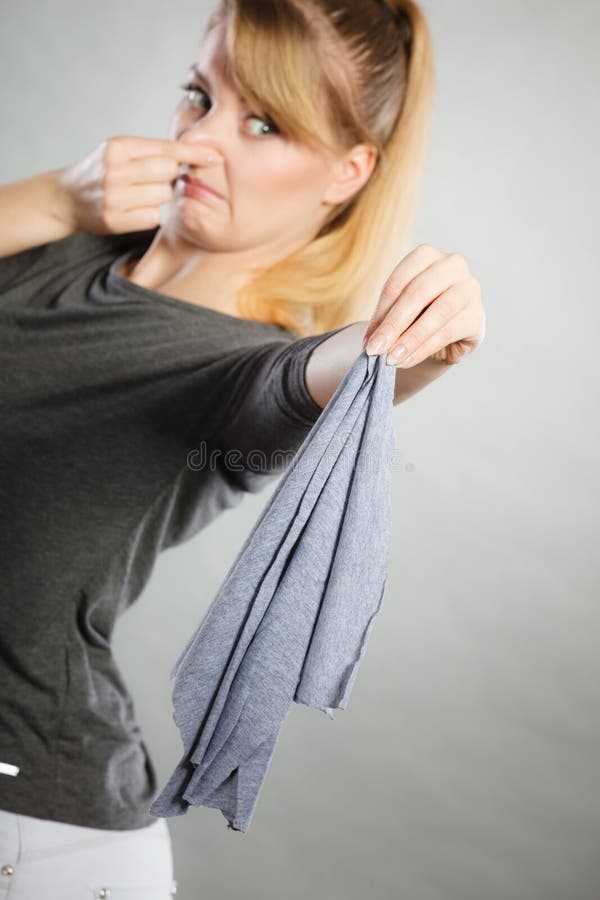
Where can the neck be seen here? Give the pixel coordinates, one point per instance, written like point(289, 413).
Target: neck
point(178, 268)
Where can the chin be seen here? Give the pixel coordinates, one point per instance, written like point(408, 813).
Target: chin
point(188, 225)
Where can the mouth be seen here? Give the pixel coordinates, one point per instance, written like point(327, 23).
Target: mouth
point(197, 188)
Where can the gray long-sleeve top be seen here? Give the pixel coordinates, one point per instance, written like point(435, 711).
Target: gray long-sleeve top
point(292, 618)
point(110, 394)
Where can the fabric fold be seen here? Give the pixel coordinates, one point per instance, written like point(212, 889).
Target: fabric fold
point(292, 618)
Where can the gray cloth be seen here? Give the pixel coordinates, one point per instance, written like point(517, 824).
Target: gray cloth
point(291, 620)
point(107, 391)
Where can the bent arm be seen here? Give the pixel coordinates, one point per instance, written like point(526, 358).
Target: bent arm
point(279, 391)
point(332, 358)
point(269, 410)
point(33, 211)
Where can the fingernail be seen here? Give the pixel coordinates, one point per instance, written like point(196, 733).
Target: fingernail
point(396, 354)
point(375, 346)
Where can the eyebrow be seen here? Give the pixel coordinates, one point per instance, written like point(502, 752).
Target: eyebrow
point(201, 75)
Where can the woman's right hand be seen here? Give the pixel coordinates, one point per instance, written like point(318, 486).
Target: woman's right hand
point(120, 185)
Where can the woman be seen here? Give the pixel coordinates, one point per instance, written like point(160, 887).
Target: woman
point(125, 343)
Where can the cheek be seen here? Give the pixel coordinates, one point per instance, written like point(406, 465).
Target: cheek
point(278, 182)
point(288, 176)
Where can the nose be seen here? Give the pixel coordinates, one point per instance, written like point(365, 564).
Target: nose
point(214, 129)
point(213, 156)
point(195, 136)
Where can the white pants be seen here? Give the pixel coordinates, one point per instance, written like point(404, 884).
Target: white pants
point(41, 858)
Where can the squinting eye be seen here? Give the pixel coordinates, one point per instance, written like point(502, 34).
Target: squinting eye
point(191, 89)
point(268, 123)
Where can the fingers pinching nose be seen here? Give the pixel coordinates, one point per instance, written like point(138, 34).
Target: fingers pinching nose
point(201, 153)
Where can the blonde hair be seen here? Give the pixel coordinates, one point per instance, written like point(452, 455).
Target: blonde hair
point(334, 73)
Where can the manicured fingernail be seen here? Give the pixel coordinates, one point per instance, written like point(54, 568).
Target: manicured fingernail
point(375, 345)
point(394, 356)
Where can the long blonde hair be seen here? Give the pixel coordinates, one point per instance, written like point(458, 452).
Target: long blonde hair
point(334, 73)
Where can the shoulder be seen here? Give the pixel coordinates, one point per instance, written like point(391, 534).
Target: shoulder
point(81, 246)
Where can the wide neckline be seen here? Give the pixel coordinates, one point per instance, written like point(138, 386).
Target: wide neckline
point(115, 279)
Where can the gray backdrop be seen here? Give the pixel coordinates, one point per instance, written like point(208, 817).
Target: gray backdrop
point(466, 765)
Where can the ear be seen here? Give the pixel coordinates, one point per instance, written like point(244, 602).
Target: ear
point(351, 173)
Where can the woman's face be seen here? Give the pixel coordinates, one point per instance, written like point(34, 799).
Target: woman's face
point(273, 189)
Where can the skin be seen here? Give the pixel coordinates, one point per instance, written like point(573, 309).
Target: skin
point(276, 194)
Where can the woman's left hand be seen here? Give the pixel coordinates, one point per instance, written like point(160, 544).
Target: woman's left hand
point(431, 306)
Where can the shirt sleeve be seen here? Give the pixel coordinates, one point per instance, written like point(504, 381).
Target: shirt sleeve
point(71, 250)
point(272, 411)
point(15, 266)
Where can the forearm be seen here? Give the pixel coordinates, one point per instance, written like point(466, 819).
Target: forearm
point(33, 211)
point(330, 360)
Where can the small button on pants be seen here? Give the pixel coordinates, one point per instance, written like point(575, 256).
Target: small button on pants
point(42, 858)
